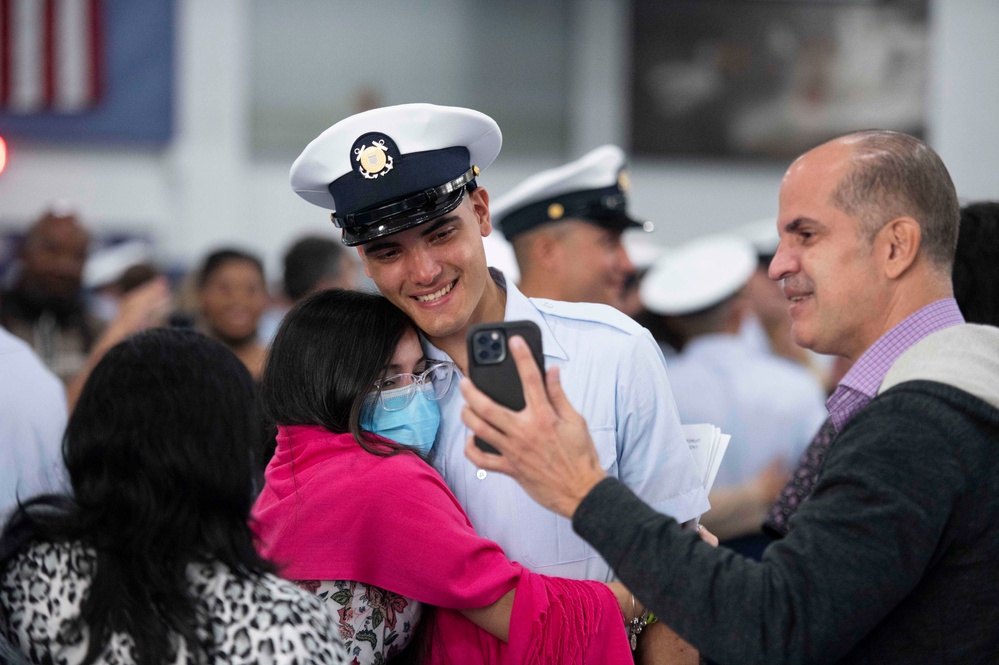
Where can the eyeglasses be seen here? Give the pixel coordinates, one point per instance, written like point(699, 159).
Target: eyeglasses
point(396, 391)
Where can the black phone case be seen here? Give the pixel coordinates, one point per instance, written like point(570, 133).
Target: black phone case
point(500, 381)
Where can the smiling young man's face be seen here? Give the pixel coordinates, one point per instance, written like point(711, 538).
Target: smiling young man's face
point(436, 272)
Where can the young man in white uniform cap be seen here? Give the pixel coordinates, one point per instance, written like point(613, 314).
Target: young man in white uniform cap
point(565, 225)
point(402, 184)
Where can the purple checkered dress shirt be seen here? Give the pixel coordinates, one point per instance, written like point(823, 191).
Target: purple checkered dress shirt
point(861, 383)
point(855, 390)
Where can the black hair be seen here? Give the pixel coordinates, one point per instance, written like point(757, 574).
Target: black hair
point(976, 263)
point(329, 350)
point(326, 355)
point(220, 257)
point(310, 260)
point(160, 462)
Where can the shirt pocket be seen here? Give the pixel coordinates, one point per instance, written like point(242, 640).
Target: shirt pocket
point(551, 540)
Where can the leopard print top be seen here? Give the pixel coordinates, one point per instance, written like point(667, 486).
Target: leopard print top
point(260, 620)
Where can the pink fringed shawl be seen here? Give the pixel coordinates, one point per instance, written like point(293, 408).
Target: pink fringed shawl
point(331, 511)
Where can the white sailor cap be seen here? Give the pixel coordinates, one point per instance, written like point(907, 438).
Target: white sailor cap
point(762, 234)
point(108, 264)
point(392, 168)
point(593, 188)
point(698, 275)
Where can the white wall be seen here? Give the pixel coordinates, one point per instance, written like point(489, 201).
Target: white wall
point(964, 97)
point(205, 189)
point(189, 195)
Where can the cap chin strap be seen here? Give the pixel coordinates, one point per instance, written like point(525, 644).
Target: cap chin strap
point(428, 198)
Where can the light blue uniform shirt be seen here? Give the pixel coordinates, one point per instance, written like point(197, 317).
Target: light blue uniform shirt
point(771, 406)
point(613, 373)
point(32, 420)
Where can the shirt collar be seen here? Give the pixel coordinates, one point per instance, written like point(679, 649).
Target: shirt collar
point(859, 385)
point(518, 308)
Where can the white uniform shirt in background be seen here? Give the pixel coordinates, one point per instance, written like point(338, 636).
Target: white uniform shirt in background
point(771, 406)
point(32, 421)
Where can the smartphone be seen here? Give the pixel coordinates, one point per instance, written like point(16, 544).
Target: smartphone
point(493, 370)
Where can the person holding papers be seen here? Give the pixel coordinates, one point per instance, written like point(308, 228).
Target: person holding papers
point(769, 405)
point(892, 558)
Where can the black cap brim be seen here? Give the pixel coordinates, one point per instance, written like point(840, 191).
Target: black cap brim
point(407, 219)
point(619, 223)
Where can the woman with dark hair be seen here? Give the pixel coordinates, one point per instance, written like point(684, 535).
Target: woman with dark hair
point(352, 511)
point(976, 263)
point(151, 560)
point(232, 297)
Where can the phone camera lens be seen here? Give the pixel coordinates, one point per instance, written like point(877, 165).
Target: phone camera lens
point(483, 355)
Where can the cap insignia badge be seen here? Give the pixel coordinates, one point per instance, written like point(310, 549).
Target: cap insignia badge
point(555, 211)
point(374, 159)
point(623, 182)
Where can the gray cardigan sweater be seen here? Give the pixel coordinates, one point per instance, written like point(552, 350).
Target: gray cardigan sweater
point(894, 558)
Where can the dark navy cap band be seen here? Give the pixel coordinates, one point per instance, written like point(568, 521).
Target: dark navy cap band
point(374, 223)
point(410, 173)
point(604, 207)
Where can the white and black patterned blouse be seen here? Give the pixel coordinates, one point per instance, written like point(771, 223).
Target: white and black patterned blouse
point(258, 620)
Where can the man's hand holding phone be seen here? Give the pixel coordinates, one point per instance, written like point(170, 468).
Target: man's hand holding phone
point(546, 446)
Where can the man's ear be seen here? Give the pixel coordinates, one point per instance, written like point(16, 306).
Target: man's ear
point(364, 262)
point(479, 198)
point(901, 238)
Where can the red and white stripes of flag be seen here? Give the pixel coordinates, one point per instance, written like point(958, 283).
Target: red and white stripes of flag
point(51, 55)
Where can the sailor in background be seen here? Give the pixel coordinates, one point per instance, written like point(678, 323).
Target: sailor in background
point(771, 406)
point(566, 224)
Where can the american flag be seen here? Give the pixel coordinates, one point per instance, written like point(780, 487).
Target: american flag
point(51, 56)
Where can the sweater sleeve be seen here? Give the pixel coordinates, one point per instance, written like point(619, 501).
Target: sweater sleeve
point(857, 547)
point(557, 620)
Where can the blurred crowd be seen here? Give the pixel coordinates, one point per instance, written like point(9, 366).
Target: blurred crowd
point(70, 304)
point(99, 347)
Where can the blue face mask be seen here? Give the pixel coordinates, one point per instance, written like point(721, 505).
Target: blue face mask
point(414, 425)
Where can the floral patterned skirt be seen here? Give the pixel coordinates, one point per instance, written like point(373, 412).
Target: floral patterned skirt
point(374, 624)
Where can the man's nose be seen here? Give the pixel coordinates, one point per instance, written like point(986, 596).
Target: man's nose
point(782, 264)
point(424, 266)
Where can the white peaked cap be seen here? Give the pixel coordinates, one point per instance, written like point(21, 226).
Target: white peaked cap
point(109, 263)
point(698, 275)
point(415, 128)
point(593, 187)
point(762, 234)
